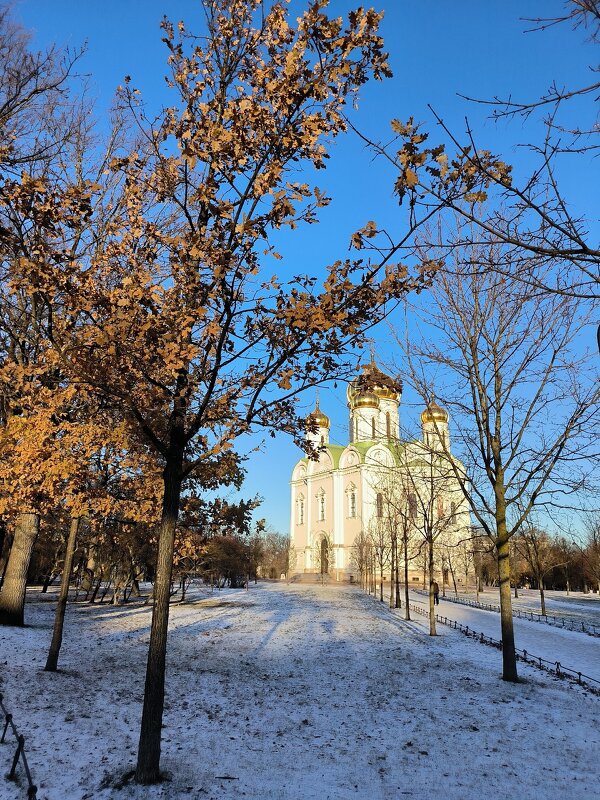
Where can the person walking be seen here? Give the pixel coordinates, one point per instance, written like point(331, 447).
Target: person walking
point(436, 593)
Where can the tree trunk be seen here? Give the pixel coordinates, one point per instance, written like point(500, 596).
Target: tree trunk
point(406, 597)
point(542, 597)
point(4, 567)
point(432, 630)
point(509, 657)
point(12, 597)
point(148, 761)
point(398, 600)
point(453, 579)
point(392, 581)
point(3, 559)
point(89, 572)
point(96, 590)
point(61, 606)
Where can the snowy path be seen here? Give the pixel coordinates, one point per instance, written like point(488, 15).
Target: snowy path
point(299, 692)
point(573, 649)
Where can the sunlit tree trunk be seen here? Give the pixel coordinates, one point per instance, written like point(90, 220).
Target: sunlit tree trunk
point(406, 597)
point(61, 606)
point(542, 595)
point(392, 573)
point(12, 597)
point(432, 630)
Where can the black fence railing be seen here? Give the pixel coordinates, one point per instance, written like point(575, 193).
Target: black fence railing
point(554, 667)
point(19, 752)
point(522, 613)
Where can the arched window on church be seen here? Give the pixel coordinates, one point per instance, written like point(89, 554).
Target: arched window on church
point(321, 506)
point(453, 513)
point(322, 440)
point(379, 505)
point(373, 427)
point(352, 501)
point(412, 506)
point(356, 429)
point(301, 510)
point(388, 425)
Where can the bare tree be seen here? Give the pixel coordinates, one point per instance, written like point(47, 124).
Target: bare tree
point(591, 551)
point(524, 394)
point(537, 549)
point(530, 214)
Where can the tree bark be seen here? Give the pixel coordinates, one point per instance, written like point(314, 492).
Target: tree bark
point(509, 656)
point(542, 597)
point(406, 596)
point(61, 606)
point(12, 597)
point(432, 630)
point(148, 761)
point(392, 581)
point(398, 600)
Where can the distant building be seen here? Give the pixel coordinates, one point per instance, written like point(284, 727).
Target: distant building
point(376, 480)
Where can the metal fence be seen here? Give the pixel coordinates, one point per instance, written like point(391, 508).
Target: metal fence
point(550, 619)
point(19, 752)
point(554, 667)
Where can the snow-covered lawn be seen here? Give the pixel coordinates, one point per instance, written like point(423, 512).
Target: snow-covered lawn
point(575, 650)
point(292, 692)
point(575, 605)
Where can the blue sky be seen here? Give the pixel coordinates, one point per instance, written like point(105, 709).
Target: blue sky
point(439, 49)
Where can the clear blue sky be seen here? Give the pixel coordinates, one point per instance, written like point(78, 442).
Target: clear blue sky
point(438, 50)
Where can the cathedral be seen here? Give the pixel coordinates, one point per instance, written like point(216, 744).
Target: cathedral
point(342, 493)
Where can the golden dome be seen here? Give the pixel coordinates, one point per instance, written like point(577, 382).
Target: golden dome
point(365, 399)
point(386, 393)
point(434, 413)
point(318, 418)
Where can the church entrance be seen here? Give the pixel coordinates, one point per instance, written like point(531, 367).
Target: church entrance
point(324, 557)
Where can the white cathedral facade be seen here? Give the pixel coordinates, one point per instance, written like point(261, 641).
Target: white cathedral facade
point(376, 480)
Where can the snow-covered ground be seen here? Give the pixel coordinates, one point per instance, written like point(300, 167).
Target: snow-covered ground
point(574, 606)
point(297, 692)
point(577, 651)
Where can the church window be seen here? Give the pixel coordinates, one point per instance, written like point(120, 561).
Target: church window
point(388, 425)
point(321, 506)
point(352, 502)
point(373, 427)
point(412, 506)
point(322, 440)
point(356, 429)
point(452, 513)
point(379, 504)
point(301, 510)
point(440, 508)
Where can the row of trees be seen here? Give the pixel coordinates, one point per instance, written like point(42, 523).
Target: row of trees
point(538, 560)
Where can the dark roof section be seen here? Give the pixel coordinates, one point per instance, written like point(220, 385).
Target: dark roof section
point(372, 376)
